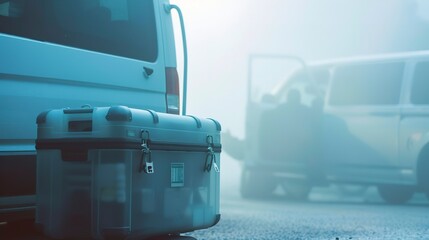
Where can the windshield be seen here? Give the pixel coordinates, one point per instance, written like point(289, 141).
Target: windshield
point(271, 79)
point(119, 27)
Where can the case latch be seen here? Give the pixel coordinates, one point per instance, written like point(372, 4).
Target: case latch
point(146, 163)
point(211, 157)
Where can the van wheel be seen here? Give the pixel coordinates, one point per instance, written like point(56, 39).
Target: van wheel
point(396, 194)
point(254, 184)
point(423, 172)
point(296, 189)
point(426, 183)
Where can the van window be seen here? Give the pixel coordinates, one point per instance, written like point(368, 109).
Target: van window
point(367, 84)
point(419, 91)
point(297, 81)
point(119, 27)
point(309, 90)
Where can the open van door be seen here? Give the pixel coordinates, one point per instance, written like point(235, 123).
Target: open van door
point(271, 77)
point(284, 106)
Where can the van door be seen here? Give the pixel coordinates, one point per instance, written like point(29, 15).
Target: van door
point(414, 127)
point(268, 78)
point(71, 53)
point(361, 125)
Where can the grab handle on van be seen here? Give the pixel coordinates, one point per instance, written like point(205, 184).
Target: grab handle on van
point(168, 8)
point(147, 72)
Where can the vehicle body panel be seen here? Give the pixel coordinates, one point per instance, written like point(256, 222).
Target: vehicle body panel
point(37, 75)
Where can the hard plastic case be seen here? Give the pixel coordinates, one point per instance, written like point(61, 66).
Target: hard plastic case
point(117, 172)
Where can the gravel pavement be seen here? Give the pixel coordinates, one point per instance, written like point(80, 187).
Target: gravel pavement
point(278, 218)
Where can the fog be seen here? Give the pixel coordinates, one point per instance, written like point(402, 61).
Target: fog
point(223, 34)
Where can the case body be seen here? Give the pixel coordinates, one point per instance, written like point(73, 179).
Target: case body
point(125, 173)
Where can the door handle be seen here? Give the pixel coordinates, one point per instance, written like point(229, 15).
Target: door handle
point(147, 72)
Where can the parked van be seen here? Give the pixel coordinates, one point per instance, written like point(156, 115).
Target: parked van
point(376, 126)
point(73, 53)
point(370, 129)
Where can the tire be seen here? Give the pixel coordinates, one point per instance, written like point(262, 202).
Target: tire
point(396, 194)
point(423, 174)
point(425, 183)
point(256, 185)
point(296, 189)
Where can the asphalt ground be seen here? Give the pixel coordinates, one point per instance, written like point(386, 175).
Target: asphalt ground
point(327, 215)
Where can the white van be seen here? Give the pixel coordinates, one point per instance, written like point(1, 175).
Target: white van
point(373, 130)
point(376, 126)
point(73, 53)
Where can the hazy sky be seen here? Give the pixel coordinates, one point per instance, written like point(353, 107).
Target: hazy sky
point(222, 33)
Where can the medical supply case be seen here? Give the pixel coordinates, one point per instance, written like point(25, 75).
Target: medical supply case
point(118, 172)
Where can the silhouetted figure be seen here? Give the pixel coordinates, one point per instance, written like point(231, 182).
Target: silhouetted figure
point(285, 131)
